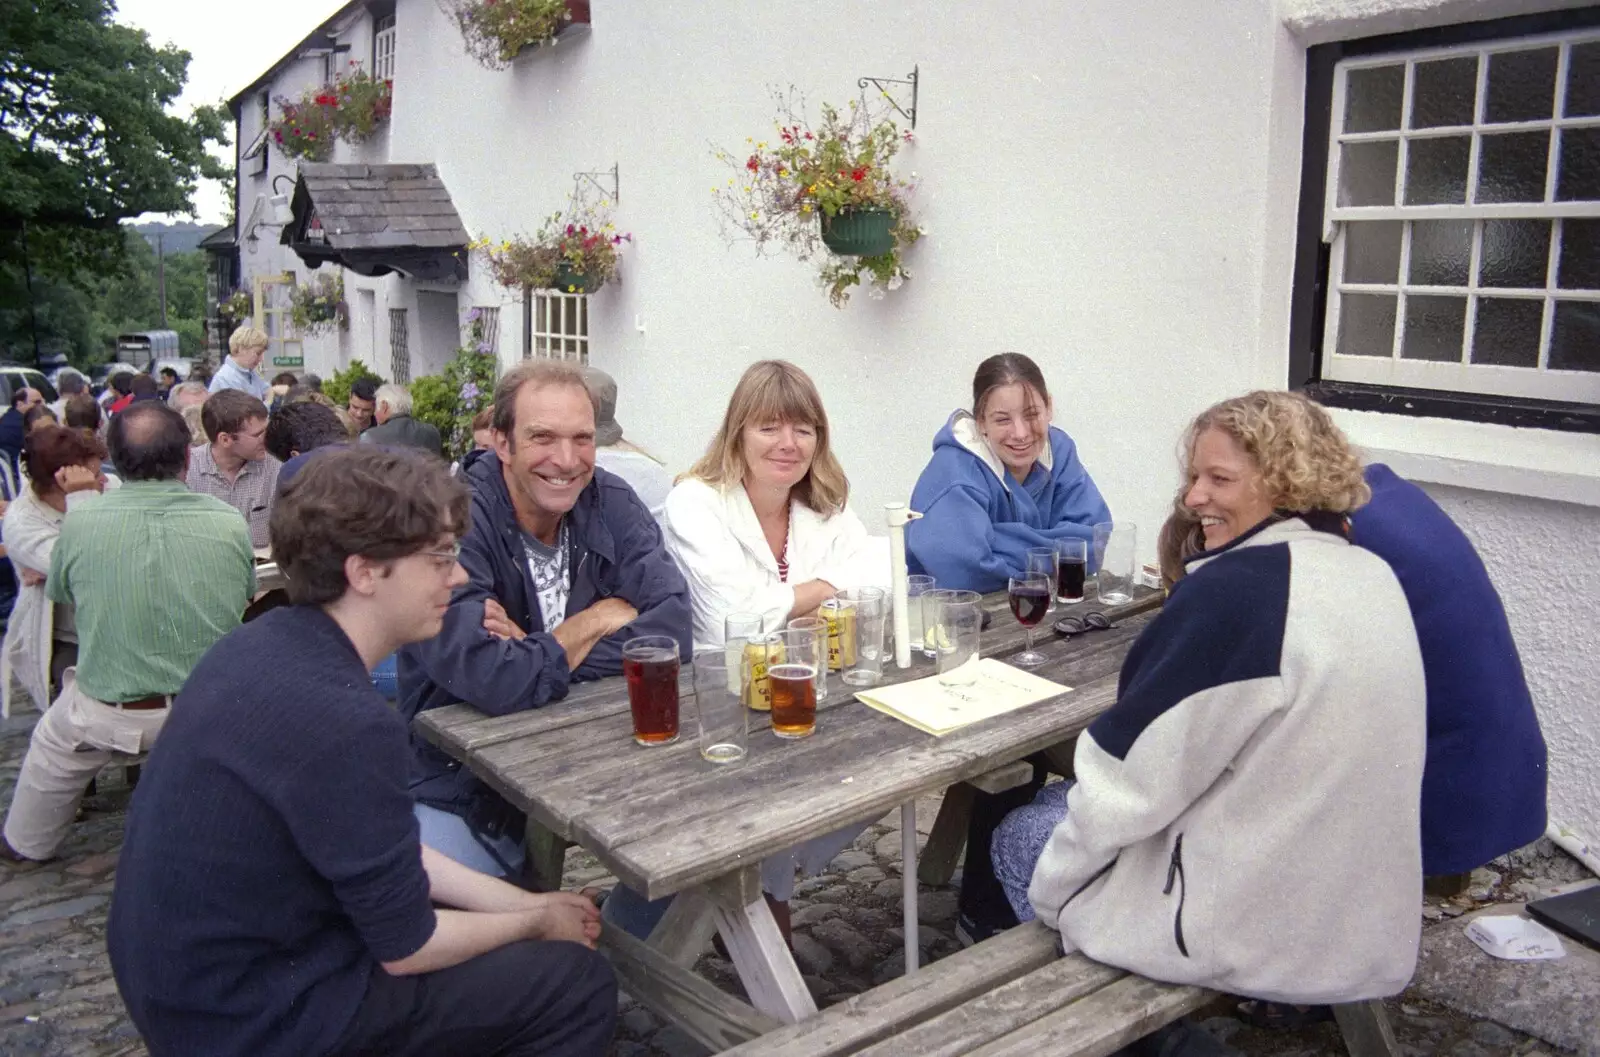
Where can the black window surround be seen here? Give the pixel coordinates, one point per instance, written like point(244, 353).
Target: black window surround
point(1311, 266)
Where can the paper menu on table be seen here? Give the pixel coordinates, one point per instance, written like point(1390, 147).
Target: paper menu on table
point(937, 708)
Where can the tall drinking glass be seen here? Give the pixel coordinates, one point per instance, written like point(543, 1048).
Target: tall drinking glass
point(739, 629)
point(719, 712)
point(916, 586)
point(792, 660)
point(955, 635)
point(650, 664)
point(870, 606)
point(1115, 545)
point(1072, 563)
point(1041, 561)
point(931, 601)
point(820, 627)
point(1030, 601)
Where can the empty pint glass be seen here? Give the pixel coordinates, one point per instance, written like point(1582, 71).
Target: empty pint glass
point(739, 632)
point(650, 664)
point(793, 657)
point(722, 722)
point(917, 585)
point(869, 607)
point(956, 636)
point(1114, 548)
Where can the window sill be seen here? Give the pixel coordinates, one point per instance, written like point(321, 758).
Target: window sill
point(1538, 463)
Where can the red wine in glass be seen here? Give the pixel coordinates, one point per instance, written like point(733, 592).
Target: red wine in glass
point(1029, 604)
point(1030, 601)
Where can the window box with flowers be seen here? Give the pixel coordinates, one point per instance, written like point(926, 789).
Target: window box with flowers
point(825, 189)
point(576, 252)
point(318, 306)
point(351, 109)
point(497, 31)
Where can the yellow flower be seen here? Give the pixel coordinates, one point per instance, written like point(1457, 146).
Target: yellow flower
point(755, 216)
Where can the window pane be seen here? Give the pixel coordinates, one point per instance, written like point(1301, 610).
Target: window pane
point(1507, 331)
point(1433, 328)
point(1372, 99)
point(1372, 252)
point(1437, 170)
point(1443, 92)
point(1441, 252)
point(1366, 325)
point(1583, 80)
point(1366, 173)
point(1522, 86)
point(1575, 337)
point(1511, 167)
point(1580, 165)
point(1515, 253)
point(1580, 254)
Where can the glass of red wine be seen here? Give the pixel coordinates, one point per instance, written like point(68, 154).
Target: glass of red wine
point(1030, 600)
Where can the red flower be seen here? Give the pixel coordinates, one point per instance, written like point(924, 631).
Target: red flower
point(754, 164)
point(571, 229)
point(327, 99)
point(858, 175)
point(809, 136)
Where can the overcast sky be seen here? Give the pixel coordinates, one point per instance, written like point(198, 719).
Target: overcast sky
point(230, 44)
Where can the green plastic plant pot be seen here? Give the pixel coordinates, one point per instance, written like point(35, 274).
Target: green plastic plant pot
point(859, 232)
point(571, 282)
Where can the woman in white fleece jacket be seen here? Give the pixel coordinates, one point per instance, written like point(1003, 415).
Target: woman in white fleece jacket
point(1265, 752)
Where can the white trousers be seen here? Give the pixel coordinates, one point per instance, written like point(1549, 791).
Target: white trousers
point(71, 742)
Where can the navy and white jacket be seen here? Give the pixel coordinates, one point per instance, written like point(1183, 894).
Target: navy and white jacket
point(1246, 815)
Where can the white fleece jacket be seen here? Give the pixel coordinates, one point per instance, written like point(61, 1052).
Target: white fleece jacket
point(1247, 816)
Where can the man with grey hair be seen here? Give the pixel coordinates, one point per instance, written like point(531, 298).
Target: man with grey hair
point(396, 427)
point(187, 394)
point(69, 383)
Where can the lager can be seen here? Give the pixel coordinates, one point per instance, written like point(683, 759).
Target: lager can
point(841, 621)
point(758, 692)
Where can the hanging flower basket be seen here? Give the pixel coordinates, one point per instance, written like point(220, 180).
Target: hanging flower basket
point(497, 31)
point(859, 232)
point(350, 108)
point(569, 281)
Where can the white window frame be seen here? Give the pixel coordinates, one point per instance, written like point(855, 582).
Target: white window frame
point(384, 40)
point(1538, 383)
point(549, 312)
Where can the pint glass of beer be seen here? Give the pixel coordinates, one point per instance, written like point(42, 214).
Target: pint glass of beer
point(820, 626)
point(650, 664)
point(792, 661)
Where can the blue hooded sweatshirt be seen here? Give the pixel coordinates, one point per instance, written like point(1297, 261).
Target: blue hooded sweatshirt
point(1483, 783)
point(978, 522)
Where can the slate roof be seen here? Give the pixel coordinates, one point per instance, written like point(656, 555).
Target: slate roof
point(364, 207)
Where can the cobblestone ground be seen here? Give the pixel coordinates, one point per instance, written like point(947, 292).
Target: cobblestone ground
point(57, 996)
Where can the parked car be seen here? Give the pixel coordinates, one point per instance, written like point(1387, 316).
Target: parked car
point(14, 376)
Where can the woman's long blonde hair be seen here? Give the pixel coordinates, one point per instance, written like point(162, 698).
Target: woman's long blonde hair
point(1306, 462)
point(775, 391)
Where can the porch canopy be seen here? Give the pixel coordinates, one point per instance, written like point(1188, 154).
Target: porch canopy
point(375, 219)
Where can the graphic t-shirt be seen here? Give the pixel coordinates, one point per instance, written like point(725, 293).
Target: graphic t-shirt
point(552, 575)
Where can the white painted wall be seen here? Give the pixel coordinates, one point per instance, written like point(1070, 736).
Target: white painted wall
point(1108, 186)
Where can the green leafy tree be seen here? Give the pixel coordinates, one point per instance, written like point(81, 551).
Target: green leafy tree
point(337, 388)
point(86, 141)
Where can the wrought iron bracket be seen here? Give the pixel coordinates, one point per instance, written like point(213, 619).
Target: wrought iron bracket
point(282, 176)
point(614, 191)
point(879, 82)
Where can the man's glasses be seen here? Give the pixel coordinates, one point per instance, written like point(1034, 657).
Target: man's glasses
point(444, 557)
point(1067, 627)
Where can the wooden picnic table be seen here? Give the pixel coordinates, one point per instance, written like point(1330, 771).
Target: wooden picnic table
point(668, 823)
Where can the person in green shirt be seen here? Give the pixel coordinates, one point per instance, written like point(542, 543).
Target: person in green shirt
point(158, 574)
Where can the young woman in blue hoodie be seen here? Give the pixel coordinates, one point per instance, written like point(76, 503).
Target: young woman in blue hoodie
point(1002, 479)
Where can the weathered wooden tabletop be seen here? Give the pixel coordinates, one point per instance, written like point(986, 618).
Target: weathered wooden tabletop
point(662, 819)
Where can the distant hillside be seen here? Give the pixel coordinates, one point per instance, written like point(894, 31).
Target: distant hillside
point(178, 238)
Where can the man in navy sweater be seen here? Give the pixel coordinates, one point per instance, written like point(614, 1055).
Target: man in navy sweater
point(273, 898)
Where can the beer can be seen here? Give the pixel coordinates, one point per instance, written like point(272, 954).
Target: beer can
point(758, 693)
point(841, 620)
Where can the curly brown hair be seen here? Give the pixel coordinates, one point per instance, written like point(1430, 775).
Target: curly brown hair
point(1306, 462)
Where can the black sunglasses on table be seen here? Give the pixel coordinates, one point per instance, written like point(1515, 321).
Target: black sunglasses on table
point(1067, 627)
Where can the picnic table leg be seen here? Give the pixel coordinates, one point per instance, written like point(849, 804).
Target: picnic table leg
point(908, 880)
point(1366, 1029)
point(765, 964)
point(949, 836)
point(547, 857)
point(685, 930)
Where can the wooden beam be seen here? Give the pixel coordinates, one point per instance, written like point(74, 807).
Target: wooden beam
point(766, 965)
point(707, 1014)
point(1102, 1023)
point(547, 857)
point(948, 837)
point(1007, 776)
point(1366, 1029)
point(685, 930)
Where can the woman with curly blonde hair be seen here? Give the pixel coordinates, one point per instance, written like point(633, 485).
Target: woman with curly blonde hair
point(1265, 751)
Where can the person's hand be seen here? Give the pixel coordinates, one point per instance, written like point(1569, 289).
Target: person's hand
point(78, 479)
point(614, 614)
point(499, 624)
point(30, 578)
point(569, 916)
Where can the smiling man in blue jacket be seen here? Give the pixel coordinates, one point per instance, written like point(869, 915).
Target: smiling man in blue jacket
point(565, 564)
